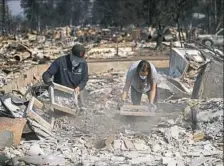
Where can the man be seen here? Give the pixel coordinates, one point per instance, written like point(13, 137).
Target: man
point(70, 70)
point(142, 78)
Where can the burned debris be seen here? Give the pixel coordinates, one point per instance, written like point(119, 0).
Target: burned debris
point(44, 124)
point(100, 137)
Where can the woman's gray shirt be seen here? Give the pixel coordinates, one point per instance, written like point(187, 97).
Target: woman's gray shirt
point(131, 78)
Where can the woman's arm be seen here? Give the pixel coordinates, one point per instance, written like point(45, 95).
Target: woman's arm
point(127, 85)
point(152, 94)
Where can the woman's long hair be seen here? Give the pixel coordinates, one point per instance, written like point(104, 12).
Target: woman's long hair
point(143, 66)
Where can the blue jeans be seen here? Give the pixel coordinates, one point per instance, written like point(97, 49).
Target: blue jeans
point(137, 96)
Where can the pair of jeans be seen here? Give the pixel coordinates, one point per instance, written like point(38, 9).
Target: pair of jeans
point(137, 96)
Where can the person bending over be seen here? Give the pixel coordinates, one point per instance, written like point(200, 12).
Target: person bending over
point(69, 70)
point(142, 78)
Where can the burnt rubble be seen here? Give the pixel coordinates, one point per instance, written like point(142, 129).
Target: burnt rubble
point(36, 130)
point(100, 136)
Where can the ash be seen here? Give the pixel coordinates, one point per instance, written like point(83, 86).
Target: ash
point(100, 136)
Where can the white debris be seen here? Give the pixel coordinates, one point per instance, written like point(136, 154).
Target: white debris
point(156, 148)
point(174, 132)
point(35, 150)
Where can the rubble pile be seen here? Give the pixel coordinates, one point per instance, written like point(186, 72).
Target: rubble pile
point(110, 52)
point(53, 132)
point(17, 56)
point(100, 136)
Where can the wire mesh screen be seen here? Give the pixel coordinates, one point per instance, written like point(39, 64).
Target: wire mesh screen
point(65, 99)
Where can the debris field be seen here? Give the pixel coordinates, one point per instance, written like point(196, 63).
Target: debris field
point(100, 136)
point(36, 129)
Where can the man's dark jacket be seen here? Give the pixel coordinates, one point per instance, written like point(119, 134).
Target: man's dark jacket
point(65, 74)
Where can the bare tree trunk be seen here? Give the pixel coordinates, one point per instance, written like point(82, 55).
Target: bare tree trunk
point(7, 21)
point(39, 24)
point(150, 12)
point(178, 28)
point(215, 12)
point(3, 17)
point(209, 19)
point(159, 39)
point(72, 11)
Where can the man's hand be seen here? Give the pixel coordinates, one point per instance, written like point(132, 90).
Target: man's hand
point(50, 83)
point(77, 90)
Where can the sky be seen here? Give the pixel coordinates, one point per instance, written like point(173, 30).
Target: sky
point(14, 7)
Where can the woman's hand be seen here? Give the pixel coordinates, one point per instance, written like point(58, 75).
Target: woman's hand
point(120, 104)
point(152, 107)
point(124, 96)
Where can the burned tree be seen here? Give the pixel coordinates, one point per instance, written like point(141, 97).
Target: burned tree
point(2, 7)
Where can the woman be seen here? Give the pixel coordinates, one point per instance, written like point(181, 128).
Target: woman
point(142, 77)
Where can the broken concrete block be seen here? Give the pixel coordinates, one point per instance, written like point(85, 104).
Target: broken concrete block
point(168, 154)
point(209, 149)
point(169, 161)
point(171, 121)
point(131, 154)
point(219, 164)
point(117, 144)
point(129, 145)
point(56, 160)
point(142, 160)
point(43, 160)
point(35, 150)
point(156, 148)
point(35, 160)
point(187, 112)
point(140, 145)
point(117, 159)
point(123, 147)
point(180, 162)
point(174, 132)
point(17, 153)
point(199, 161)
